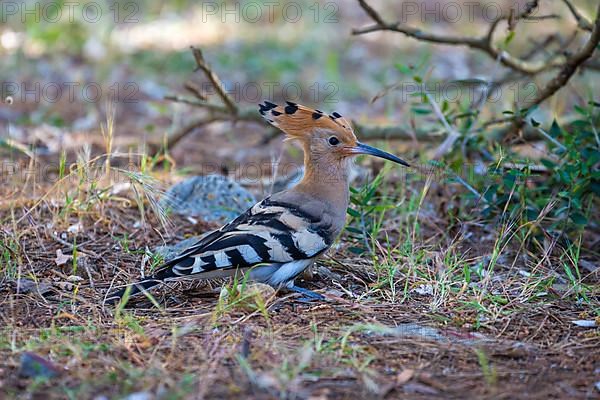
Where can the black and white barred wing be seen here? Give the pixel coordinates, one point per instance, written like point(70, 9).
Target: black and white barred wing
point(270, 233)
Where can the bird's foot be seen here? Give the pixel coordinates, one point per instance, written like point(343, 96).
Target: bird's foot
point(309, 295)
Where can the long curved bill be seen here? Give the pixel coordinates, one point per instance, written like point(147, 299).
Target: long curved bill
point(362, 148)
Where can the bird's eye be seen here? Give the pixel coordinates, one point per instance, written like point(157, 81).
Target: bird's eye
point(334, 141)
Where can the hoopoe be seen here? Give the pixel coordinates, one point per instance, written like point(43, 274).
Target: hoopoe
point(279, 237)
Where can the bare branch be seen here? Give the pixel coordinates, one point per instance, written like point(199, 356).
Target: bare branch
point(582, 22)
point(483, 44)
point(420, 35)
point(176, 137)
point(372, 13)
point(214, 80)
point(573, 62)
point(195, 90)
point(250, 115)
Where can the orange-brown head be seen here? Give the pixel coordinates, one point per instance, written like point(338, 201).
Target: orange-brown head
point(325, 138)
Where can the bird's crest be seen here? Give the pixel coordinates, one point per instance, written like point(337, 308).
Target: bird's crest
point(297, 120)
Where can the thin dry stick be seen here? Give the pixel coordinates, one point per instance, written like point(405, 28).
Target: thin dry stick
point(195, 90)
point(453, 134)
point(214, 80)
point(184, 131)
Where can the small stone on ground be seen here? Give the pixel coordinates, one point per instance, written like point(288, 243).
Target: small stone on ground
point(214, 198)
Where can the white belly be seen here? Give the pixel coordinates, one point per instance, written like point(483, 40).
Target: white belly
point(282, 274)
point(272, 274)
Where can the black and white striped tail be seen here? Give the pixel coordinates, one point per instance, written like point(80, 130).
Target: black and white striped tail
point(142, 286)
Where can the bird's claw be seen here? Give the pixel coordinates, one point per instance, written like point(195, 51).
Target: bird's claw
point(309, 295)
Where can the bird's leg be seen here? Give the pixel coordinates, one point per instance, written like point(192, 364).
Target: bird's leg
point(309, 295)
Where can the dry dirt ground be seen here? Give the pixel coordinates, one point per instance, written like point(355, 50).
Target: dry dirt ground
point(360, 343)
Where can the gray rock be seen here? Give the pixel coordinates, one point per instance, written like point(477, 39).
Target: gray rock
point(509, 348)
point(25, 286)
point(213, 198)
point(34, 366)
point(416, 330)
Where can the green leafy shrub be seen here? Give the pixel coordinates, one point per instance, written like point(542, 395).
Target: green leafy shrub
point(559, 193)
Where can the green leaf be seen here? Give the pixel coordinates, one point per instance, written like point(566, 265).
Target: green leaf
point(509, 38)
point(445, 106)
point(579, 218)
point(490, 193)
point(357, 250)
point(555, 129)
point(580, 124)
point(404, 69)
point(353, 213)
point(509, 180)
point(532, 213)
point(486, 212)
point(421, 111)
point(581, 110)
point(547, 163)
point(564, 177)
